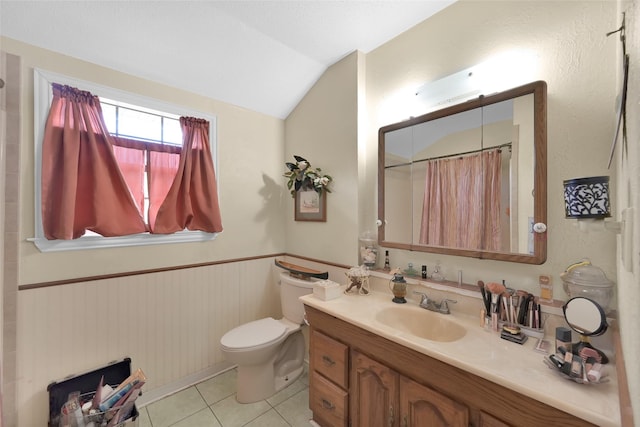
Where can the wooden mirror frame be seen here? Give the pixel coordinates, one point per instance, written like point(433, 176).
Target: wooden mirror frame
point(539, 256)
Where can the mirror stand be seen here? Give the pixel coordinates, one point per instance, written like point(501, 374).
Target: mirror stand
point(587, 318)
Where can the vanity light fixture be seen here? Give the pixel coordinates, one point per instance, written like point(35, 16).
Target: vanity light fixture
point(495, 74)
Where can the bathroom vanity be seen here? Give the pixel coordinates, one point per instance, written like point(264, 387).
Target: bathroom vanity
point(367, 371)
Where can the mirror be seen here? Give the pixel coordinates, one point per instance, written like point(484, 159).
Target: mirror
point(468, 180)
point(585, 316)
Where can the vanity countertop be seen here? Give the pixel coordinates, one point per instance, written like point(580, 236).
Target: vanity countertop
point(484, 353)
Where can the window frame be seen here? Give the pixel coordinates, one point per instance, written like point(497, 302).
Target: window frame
point(42, 97)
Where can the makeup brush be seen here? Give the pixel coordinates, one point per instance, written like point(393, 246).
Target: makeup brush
point(485, 298)
point(496, 288)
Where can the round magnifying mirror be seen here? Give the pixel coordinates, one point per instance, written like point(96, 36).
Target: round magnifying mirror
point(585, 316)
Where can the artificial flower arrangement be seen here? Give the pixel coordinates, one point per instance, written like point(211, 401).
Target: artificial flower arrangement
point(302, 175)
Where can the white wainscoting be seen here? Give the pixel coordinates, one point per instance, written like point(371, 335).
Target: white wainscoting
point(168, 323)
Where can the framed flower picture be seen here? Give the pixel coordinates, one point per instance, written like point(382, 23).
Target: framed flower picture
point(310, 205)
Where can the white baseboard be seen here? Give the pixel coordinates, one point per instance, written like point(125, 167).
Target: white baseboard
point(151, 396)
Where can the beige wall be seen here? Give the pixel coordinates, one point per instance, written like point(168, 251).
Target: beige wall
point(250, 153)
point(323, 129)
point(581, 95)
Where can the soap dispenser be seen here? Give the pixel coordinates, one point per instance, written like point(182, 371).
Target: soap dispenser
point(399, 288)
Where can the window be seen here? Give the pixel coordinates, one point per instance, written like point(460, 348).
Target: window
point(144, 124)
point(131, 121)
point(127, 115)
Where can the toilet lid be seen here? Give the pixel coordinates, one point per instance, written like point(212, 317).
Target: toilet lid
point(253, 334)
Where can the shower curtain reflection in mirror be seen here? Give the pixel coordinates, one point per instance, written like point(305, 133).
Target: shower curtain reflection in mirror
point(461, 205)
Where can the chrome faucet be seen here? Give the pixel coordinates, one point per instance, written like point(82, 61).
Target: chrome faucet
point(442, 307)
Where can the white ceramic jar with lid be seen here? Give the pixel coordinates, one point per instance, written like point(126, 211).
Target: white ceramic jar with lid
point(588, 281)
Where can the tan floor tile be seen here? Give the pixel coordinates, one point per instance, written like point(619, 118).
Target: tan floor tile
point(234, 414)
point(176, 407)
point(295, 410)
point(287, 392)
point(203, 418)
point(143, 418)
point(219, 387)
point(269, 419)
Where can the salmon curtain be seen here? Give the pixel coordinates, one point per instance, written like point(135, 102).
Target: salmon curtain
point(461, 204)
point(131, 163)
point(492, 234)
point(163, 168)
point(82, 186)
point(192, 200)
point(164, 160)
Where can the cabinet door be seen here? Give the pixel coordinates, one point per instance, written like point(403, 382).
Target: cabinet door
point(487, 420)
point(422, 406)
point(373, 394)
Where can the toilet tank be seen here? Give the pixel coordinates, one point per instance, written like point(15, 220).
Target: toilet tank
point(291, 289)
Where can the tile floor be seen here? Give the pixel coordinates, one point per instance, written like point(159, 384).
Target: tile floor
point(212, 403)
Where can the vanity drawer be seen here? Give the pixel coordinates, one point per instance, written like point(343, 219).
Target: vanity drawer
point(330, 358)
point(328, 402)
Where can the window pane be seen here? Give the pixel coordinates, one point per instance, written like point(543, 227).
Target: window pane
point(138, 124)
point(109, 114)
point(172, 131)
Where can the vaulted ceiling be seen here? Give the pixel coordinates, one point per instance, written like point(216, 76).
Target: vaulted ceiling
point(259, 55)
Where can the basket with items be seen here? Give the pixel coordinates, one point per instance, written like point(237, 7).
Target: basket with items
point(104, 397)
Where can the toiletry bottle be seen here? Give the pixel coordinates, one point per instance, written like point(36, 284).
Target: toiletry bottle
point(546, 289)
point(563, 339)
point(437, 274)
point(424, 271)
point(387, 265)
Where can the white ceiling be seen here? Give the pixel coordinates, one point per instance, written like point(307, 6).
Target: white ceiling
point(260, 55)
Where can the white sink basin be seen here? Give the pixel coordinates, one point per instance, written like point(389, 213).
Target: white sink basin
point(421, 323)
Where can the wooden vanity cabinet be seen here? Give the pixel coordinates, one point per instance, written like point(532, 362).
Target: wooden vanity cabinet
point(379, 396)
point(381, 382)
point(329, 366)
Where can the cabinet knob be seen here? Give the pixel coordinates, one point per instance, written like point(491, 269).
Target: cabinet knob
point(328, 361)
point(327, 405)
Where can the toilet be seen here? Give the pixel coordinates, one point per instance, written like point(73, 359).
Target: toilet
point(269, 352)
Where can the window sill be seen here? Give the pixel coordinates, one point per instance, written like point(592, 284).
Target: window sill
point(99, 242)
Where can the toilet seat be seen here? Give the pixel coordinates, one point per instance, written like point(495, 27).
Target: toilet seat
point(254, 334)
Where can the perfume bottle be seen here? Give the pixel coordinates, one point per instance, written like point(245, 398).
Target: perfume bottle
point(437, 273)
point(387, 265)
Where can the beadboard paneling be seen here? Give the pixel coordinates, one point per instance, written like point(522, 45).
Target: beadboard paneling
point(169, 323)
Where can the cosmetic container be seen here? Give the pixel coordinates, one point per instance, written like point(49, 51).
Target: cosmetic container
point(546, 289)
point(595, 373)
point(576, 366)
point(563, 338)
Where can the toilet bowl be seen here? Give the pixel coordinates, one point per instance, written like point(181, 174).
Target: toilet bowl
point(269, 352)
